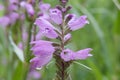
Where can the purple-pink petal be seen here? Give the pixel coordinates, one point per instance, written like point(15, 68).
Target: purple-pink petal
point(20, 45)
point(42, 48)
point(46, 28)
point(4, 21)
point(44, 7)
point(13, 17)
point(67, 37)
point(34, 74)
point(13, 1)
point(29, 9)
point(12, 7)
point(39, 62)
point(42, 23)
point(68, 55)
point(44, 16)
point(77, 23)
point(39, 35)
point(83, 54)
point(56, 16)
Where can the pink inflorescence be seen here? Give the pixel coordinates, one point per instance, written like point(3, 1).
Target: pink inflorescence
point(50, 25)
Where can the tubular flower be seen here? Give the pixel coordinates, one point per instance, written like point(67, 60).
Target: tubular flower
point(56, 25)
point(4, 21)
point(39, 62)
point(13, 1)
point(46, 28)
point(33, 74)
point(44, 7)
point(56, 16)
point(77, 23)
point(43, 50)
point(67, 37)
point(68, 55)
point(13, 17)
point(29, 8)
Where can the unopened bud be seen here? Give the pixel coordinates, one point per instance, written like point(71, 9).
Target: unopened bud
point(63, 2)
point(68, 18)
point(68, 8)
point(59, 7)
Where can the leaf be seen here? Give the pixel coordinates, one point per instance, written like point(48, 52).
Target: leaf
point(19, 71)
point(116, 27)
point(17, 50)
point(117, 4)
point(82, 65)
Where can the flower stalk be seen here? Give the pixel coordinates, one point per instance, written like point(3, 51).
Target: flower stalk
point(62, 66)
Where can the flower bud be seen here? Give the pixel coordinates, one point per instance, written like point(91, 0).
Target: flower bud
point(64, 1)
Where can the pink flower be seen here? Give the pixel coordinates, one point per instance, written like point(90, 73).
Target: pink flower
point(56, 16)
point(13, 1)
point(46, 28)
point(44, 7)
point(68, 55)
point(20, 45)
point(4, 21)
point(67, 37)
point(43, 51)
point(13, 17)
point(29, 8)
point(64, 1)
point(39, 62)
point(42, 48)
point(77, 23)
point(13, 7)
point(83, 54)
point(34, 75)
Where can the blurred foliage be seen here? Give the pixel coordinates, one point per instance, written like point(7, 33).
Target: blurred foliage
point(102, 34)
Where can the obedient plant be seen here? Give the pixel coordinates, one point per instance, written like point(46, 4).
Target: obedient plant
point(56, 23)
point(47, 35)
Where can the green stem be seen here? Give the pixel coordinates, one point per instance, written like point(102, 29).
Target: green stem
point(61, 73)
point(28, 52)
point(26, 71)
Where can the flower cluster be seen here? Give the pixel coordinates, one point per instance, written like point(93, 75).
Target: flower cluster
point(14, 12)
point(11, 13)
point(55, 23)
point(47, 35)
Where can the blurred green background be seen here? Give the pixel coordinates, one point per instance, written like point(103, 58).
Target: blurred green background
point(102, 34)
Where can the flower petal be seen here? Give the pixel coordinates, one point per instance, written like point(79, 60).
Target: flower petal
point(4, 21)
point(56, 16)
point(77, 23)
point(46, 28)
point(44, 7)
point(42, 48)
point(67, 55)
point(83, 54)
point(39, 62)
